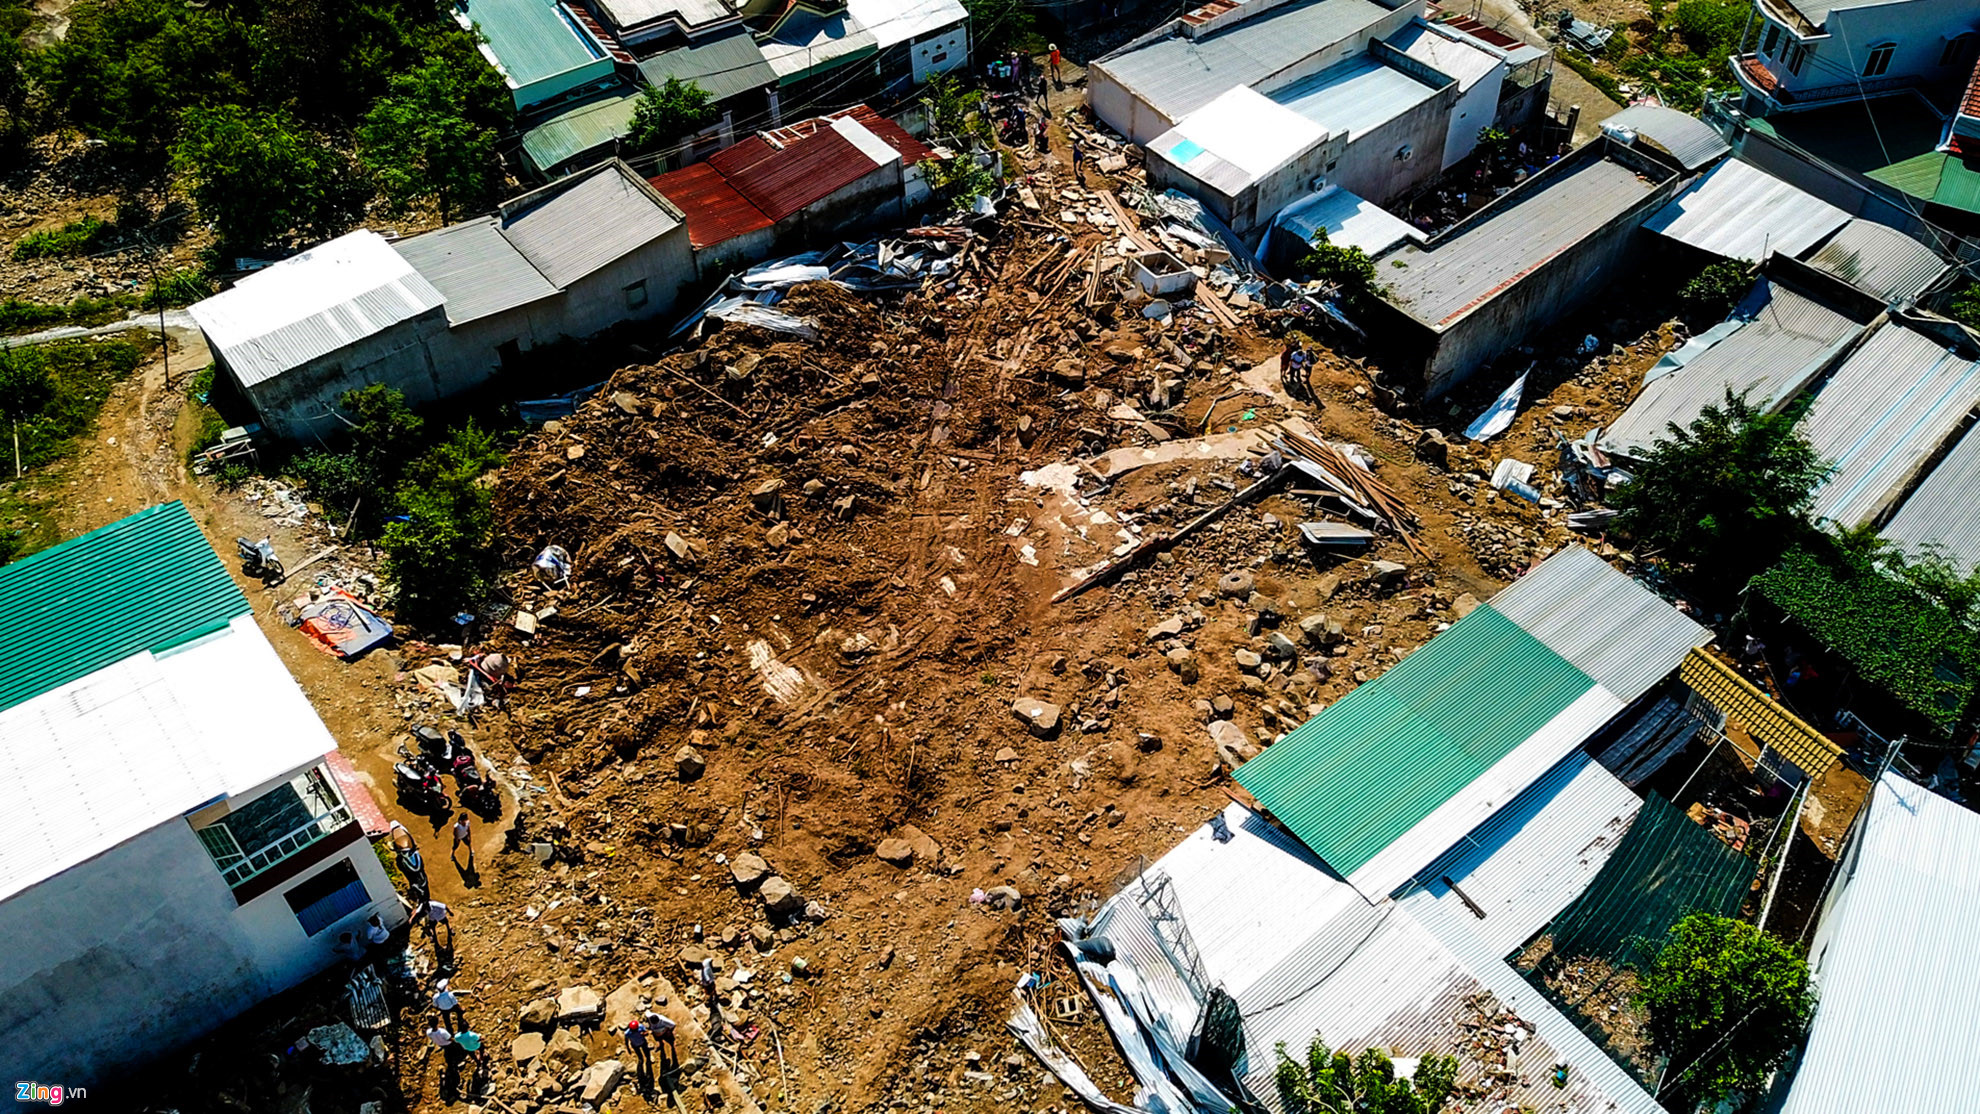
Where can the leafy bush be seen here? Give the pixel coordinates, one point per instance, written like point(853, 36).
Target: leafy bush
point(441, 551)
point(262, 180)
point(669, 112)
point(25, 387)
point(433, 138)
point(1728, 1004)
point(211, 427)
point(74, 238)
point(1332, 1082)
point(178, 288)
point(17, 316)
point(1726, 495)
point(1964, 306)
point(1714, 291)
point(332, 479)
point(960, 180)
point(1890, 628)
point(1348, 269)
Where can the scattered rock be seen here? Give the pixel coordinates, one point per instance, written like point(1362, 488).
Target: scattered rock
point(1183, 664)
point(579, 1004)
point(1233, 746)
point(540, 1014)
point(778, 536)
point(1280, 648)
point(926, 850)
point(895, 852)
point(1249, 660)
point(564, 1052)
point(1006, 754)
point(1222, 706)
point(1386, 574)
point(1167, 628)
point(779, 899)
point(1005, 897)
point(526, 1047)
point(748, 869)
point(689, 764)
point(1039, 716)
point(1433, 449)
point(599, 1081)
point(765, 495)
point(1464, 605)
point(1235, 585)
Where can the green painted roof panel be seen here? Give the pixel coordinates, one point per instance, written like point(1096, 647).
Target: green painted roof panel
point(147, 582)
point(573, 131)
point(1918, 176)
point(1354, 778)
point(535, 39)
point(1959, 184)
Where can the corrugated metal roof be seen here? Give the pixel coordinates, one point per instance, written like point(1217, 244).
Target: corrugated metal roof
point(1604, 623)
point(1237, 139)
point(1461, 57)
point(1533, 857)
point(1349, 219)
point(535, 39)
point(910, 149)
point(689, 13)
point(1879, 261)
point(147, 582)
point(1442, 281)
point(578, 224)
point(1302, 955)
point(715, 211)
point(571, 132)
point(808, 43)
point(312, 304)
point(779, 182)
point(1352, 780)
point(1786, 340)
point(1895, 964)
point(1888, 410)
point(898, 21)
point(477, 270)
point(1739, 211)
point(723, 66)
point(1178, 75)
point(1355, 97)
point(1691, 141)
point(1942, 513)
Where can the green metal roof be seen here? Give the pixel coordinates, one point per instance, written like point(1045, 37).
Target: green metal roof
point(592, 124)
point(1937, 177)
point(535, 39)
point(1352, 779)
point(147, 582)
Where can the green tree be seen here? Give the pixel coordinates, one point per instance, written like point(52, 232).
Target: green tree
point(1728, 494)
point(1001, 26)
point(25, 387)
point(442, 552)
point(433, 138)
point(1348, 269)
point(1332, 1082)
point(261, 180)
point(127, 70)
point(955, 111)
point(667, 112)
point(331, 58)
point(1728, 1004)
point(13, 81)
point(1494, 142)
point(1714, 291)
point(1964, 306)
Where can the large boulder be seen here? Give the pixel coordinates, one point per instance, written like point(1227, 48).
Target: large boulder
point(895, 852)
point(749, 870)
point(527, 1047)
point(622, 1006)
point(579, 1005)
point(540, 1014)
point(779, 898)
point(596, 1085)
point(1041, 717)
point(564, 1052)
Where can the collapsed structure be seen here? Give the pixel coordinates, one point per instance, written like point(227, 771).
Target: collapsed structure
point(185, 840)
point(1414, 836)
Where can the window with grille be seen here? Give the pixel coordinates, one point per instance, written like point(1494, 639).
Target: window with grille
point(328, 897)
point(274, 826)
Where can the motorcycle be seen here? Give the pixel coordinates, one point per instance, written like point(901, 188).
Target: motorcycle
point(258, 558)
point(448, 753)
point(419, 784)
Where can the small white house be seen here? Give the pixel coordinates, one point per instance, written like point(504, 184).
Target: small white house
point(178, 847)
point(441, 313)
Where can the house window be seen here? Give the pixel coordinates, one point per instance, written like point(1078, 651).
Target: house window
point(1880, 59)
point(1772, 40)
point(1958, 50)
point(1796, 55)
point(636, 294)
point(274, 826)
point(333, 894)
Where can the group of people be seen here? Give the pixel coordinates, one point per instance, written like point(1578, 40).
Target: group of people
point(459, 1044)
point(1015, 70)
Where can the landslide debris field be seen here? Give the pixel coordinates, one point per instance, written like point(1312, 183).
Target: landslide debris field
point(805, 705)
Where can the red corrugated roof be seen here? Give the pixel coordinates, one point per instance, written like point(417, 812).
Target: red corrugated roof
point(765, 178)
point(1761, 75)
point(715, 211)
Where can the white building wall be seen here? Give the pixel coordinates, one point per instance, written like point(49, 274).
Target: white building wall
point(1919, 30)
point(1474, 111)
point(940, 52)
point(142, 949)
point(598, 300)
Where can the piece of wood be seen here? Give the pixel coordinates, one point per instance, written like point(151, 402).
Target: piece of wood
point(1151, 546)
point(287, 573)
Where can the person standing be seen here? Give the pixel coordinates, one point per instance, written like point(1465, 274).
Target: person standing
point(1057, 81)
point(463, 834)
point(438, 1035)
point(432, 915)
point(641, 1047)
point(469, 1043)
point(660, 1028)
point(448, 1002)
point(1079, 160)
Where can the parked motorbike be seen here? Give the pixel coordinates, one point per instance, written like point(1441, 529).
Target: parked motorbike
point(479, 795)
point(258, 558)
point(448, 752)
point(419, 784)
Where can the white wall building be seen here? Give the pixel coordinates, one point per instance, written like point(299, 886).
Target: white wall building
point(442, 313)
point(177, 849)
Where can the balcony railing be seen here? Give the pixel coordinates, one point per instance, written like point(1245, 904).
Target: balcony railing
point(1758, 76)
point(283, 846)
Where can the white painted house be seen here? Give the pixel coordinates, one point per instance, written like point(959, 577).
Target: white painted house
point(178, 846)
